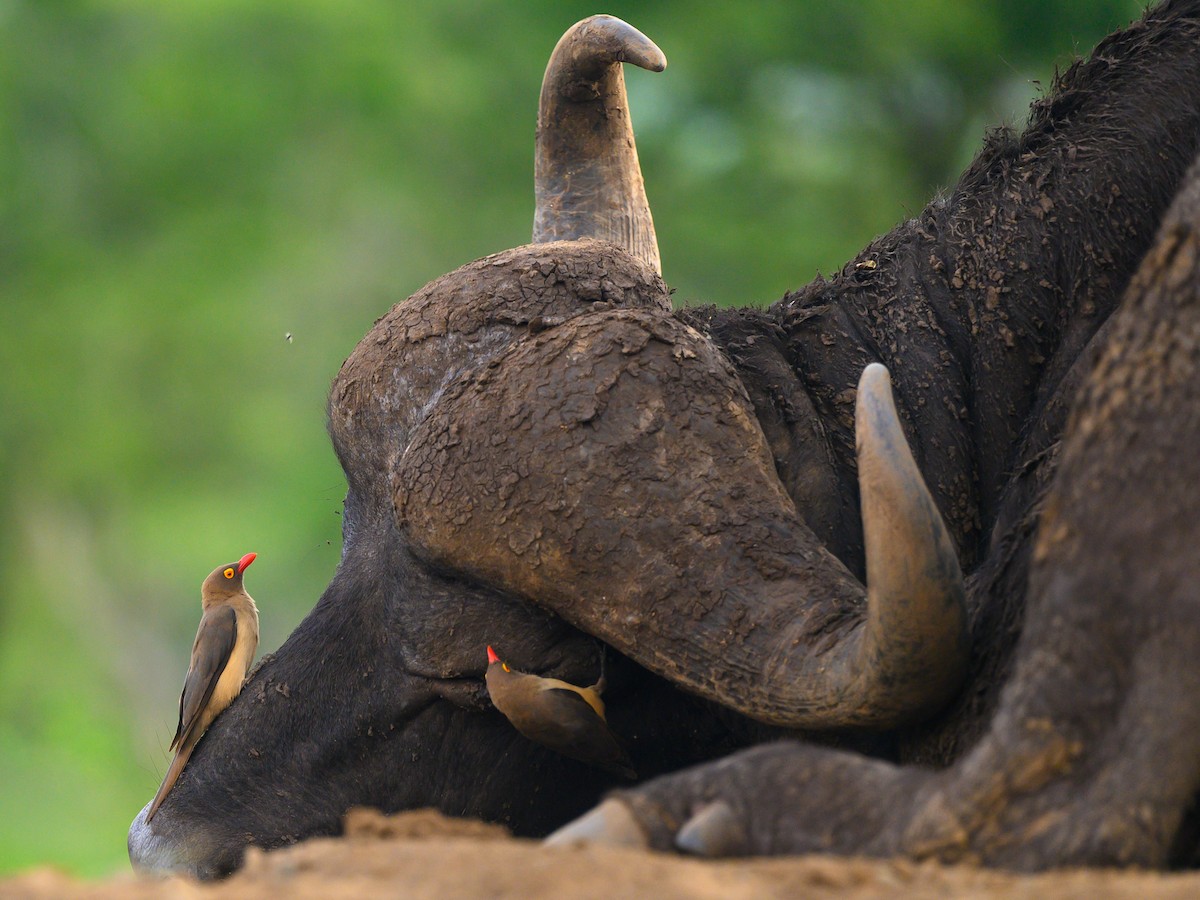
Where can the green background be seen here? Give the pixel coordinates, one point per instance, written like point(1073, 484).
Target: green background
point(184, 183)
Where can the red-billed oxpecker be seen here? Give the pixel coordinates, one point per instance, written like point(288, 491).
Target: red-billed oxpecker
point(221, 656)
point(567, 719)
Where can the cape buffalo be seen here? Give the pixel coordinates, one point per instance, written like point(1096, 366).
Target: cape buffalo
point(994, 662)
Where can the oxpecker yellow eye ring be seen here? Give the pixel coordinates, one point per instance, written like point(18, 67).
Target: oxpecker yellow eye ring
point(228, 573)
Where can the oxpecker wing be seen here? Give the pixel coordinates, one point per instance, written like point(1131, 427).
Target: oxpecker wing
point(211, 650)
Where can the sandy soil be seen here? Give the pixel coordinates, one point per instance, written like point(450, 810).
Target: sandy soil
point(424, 855)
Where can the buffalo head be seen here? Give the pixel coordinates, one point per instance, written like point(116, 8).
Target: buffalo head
point(539, 454)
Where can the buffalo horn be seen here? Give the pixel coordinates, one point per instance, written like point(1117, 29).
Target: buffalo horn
point(587, 179)
point(914, 642)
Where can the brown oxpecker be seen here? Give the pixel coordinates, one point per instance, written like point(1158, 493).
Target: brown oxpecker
point(566, 718)
point(221, 656)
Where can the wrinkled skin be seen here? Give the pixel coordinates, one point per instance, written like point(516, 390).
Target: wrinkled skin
point(539, 453)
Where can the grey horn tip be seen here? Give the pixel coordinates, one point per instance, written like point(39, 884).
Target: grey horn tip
point(609, 39)
point(875, 376)
point(875, 399)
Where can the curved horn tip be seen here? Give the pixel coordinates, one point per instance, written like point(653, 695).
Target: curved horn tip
point(615, 40)
point(875, 378)
point(874, 406)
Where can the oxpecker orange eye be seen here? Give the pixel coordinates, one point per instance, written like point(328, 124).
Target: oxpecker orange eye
point(228, 573)
point(505, 667)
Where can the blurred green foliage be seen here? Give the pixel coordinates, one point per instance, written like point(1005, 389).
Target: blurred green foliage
point(185, 184)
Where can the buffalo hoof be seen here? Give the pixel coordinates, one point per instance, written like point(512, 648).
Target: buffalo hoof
point(778, 799)
point(715, 830)
point(610, 823)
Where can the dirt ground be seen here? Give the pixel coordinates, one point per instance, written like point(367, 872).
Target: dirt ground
point(424, 855)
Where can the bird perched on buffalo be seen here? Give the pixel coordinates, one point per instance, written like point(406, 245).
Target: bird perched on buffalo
point(221, 656)
point(566, 718)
